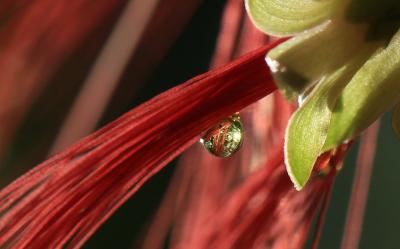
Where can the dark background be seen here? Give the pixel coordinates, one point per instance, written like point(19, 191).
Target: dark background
point(189, 56)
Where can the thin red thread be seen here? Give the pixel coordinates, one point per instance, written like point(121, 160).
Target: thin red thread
point(65, 199)
point(359, 192)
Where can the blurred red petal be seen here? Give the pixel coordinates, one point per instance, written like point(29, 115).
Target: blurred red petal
point(265, 211)
point(36, 37)
point(361, 185)
point(154, 21)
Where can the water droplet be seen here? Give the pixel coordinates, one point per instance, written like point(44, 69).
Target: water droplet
point(225, 138)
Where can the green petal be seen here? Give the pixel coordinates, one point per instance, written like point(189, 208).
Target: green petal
point(287, 17)
point(308, 127)
point(303, 60)
point(372, 91)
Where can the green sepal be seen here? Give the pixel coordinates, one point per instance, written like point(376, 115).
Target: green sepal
point(288, 17)
point(374, 89)
point(308, 126)
point(301, 61)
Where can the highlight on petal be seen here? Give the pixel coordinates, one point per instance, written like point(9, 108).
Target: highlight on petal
point(303, 60)
point(287, 17)
point(66, 198)
point(308, 127)
point(373, 90)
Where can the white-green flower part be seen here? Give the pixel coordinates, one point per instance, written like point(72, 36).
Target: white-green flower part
point(346, 55)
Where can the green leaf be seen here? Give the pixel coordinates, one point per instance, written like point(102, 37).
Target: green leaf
point(301, 61)
point(308, 127)
point(373, 90)
point(287, 17)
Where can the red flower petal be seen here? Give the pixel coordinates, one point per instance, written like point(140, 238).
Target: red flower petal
point(65, 199)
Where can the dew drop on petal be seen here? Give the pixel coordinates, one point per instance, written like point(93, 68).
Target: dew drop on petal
point(225, 138)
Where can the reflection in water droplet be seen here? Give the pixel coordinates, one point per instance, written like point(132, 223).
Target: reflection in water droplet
point(224, 139)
